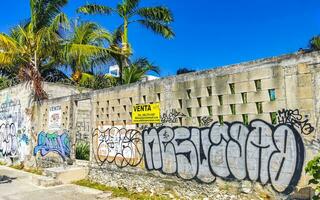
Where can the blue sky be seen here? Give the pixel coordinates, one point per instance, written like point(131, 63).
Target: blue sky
point(209, 33)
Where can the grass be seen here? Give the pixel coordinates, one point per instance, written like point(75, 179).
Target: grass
point(3, 163)
point(37, 171)
point(120, 192)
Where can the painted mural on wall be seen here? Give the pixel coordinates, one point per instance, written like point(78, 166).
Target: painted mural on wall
point(55, 117)
point(117, 145)
point(14, 138)
point(259, 152)
point(54, 143)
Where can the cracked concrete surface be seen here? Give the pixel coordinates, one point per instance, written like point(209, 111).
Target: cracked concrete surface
point(17, 185)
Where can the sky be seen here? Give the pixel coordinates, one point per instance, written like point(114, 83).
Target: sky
point(209, 33)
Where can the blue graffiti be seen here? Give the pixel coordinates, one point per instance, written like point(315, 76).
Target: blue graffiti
point(52, 142)
point(24, 138)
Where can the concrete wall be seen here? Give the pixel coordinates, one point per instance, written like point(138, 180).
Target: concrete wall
point(256, 121)
point(19, 119)
point(270, 109)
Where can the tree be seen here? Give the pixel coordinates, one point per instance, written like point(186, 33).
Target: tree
point(86, 48)
point(36, 44)
point(184, 70)
point(157, 19)
point(137, 71)
point(314, 43)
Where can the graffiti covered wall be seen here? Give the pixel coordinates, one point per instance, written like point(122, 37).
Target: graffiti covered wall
point(258, 152)
point(222, 123)
point(267, 108)
point(14, 137)
point(117, 145)
point(53, 143)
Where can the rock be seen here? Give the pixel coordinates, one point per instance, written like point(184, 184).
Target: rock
point(246, 187)
point(105, 195)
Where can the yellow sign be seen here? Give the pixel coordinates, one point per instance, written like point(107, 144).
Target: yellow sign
point(146, 113)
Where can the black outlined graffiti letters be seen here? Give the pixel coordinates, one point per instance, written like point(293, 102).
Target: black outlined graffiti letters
point(294, 118)
point(172, 116)
point(257, 152)
point(117, 145)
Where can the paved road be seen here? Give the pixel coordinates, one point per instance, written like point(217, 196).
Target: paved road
point(19, 186)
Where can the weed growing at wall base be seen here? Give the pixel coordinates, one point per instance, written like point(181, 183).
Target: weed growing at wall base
point(83, 150)
point(21, 166)
point(313, 169)
point(120, 192)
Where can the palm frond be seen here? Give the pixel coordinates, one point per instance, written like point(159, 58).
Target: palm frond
point(44, 11)
point(131, 6)
point(7, 43)
point(6, 59)
point(86, 50)
point(137, 70)
point(159, 28)
point(95, 9)
point(314, 43)
point(60, 21)
point(159, 13)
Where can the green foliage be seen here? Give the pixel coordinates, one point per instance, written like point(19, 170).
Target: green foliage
point(3, 163)
point(120, 192)
point(37, 171)
point(85, 47)
point(4, 82)
point(313, 169)
point(18, 167)
point(97, 82)
point(35, 45)
point(137, 70)
point(184, 70)
point(83, 150)
point(32, 170)
point(314, 43)
point(157, 19)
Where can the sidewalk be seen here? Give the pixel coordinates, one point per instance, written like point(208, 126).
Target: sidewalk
point(18, 186)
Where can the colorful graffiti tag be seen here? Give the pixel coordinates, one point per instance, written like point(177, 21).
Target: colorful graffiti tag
point(53, 142)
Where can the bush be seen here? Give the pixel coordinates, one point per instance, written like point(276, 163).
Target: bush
point(82, 150)
point(313, 169)
point(98, 82)
point(4, 82)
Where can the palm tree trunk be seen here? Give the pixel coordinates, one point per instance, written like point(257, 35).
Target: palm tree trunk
point(36, 79)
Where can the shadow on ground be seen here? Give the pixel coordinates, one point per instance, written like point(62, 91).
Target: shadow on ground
point(6, 179)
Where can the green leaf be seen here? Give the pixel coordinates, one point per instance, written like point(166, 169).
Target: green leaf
point(159, 28)
point(158, 13)
point(95, 9)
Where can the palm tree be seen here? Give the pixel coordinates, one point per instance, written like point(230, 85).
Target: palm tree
point(85, 48)
point(314, 43)
point(157, 19)
point(36, 44)
point(137, 70)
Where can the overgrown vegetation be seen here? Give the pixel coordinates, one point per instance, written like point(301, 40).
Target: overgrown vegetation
point(83, 150)
point(2, 163)
point(313, 169)
point(184, 70)
point(21, 166)
point(42, 46)
point(120, 192)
